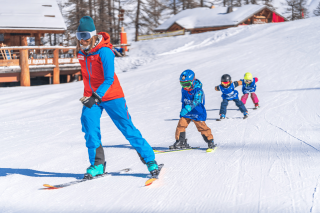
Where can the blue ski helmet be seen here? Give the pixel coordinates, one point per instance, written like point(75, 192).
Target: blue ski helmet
point(187, 75)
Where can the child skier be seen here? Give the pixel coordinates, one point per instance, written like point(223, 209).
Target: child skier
point(227, 87)
point(249, 86)
point(192, 110)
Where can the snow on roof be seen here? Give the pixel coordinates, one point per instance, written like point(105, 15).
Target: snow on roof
point(35, 14)
point(205, 17)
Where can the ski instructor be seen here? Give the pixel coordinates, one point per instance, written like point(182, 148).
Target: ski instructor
point(102, 90)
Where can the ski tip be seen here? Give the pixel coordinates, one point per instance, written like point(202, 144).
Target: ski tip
point(47, 185)
point(211, 150)
point(150, 181)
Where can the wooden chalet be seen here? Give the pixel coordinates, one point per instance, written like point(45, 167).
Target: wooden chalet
point(199, 20)
point(23, 19)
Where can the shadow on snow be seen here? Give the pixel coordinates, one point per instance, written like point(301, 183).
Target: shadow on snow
point(36, 173)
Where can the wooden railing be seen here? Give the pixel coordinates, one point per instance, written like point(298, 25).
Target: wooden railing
point(24, 61)
point(24, 56)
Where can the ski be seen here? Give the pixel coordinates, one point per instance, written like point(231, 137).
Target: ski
point(59, 186)
point(173, 150)
point(209, 150)
point(154, 177)
point(245, 117)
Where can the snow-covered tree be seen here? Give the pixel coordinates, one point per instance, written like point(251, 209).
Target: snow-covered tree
point(316, 12)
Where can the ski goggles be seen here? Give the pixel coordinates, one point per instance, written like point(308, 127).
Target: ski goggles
point(85, 35)
point(225, 83)
point(185, 84)
point(247, 81)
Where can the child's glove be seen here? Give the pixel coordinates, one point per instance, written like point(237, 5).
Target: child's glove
point(185, 110)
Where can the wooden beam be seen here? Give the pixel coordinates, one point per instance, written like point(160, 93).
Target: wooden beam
point(24, 41)
point(7, 63)
point(37, 38)
point(25, 73)
point(41, 74)
point(9, 77)
point(56, 70)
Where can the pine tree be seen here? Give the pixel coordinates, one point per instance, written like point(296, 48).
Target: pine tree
point(153, 10)
point(296, 9)
point(316, 12)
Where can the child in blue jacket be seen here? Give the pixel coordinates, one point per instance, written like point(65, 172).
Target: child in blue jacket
point(227, 87)
point(192, 110)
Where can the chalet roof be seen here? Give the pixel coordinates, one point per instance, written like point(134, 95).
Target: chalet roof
point(31, 15)
point(204, 17)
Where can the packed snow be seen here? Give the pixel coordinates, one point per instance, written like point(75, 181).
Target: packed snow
point(267, 163)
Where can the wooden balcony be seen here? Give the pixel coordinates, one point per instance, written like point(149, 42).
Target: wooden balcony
point(25, 62)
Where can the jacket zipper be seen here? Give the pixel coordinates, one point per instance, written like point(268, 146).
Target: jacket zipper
point(88, 72)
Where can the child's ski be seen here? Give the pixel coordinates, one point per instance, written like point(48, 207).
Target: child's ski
point(173, 150)
point(59, 186)
point(154, 177)
point(245, 117)
point(211, 150)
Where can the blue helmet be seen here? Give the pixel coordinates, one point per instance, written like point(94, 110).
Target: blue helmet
point(187, 75)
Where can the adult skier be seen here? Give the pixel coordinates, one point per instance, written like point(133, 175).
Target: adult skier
point(227, 87)
point(249, 87)
point(102, 91)
point(192, 110)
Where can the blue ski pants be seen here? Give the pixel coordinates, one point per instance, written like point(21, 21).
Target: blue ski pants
point(118, 111)
point(224, 104)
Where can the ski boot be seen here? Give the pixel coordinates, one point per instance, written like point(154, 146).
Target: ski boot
point(95, 170)
point(222, 116)
point(153, 168)
point(181, 143)
point(256, 106)
point(211, 146)
point(210, 143)
point(246, 115)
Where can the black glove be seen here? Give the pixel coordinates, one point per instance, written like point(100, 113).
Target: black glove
point(90, 101)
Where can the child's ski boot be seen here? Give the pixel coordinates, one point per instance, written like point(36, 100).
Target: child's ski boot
point(180, 145)
point(211, 146)
point(256, 106)
point(222, 116)
point(246, 115)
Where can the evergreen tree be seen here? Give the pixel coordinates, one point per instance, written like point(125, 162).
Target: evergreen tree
point(316, 12)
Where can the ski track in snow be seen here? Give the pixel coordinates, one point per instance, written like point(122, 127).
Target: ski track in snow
point(266, 163)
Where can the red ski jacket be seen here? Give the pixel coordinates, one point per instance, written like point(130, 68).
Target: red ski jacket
point(97, 68)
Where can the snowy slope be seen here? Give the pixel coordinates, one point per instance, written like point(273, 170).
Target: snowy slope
point(267, 163)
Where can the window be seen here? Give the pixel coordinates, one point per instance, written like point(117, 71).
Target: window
point(1, 37)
